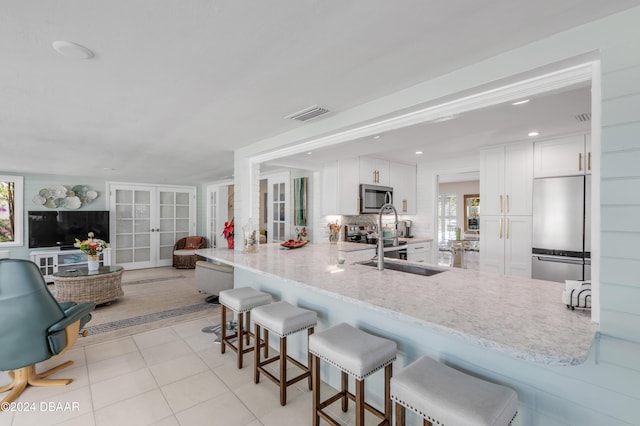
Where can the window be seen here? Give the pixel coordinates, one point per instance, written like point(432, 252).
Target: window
point(11, 210)
point(447, 217)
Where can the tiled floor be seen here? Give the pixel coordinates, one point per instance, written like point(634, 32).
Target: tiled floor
point(170, 376)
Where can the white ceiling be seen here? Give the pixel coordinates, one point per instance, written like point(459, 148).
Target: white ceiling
point(175, 86)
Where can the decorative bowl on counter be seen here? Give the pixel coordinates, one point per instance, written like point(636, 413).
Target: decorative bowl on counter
point(293, 244)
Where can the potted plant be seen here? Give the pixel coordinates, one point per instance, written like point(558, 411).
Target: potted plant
point(228, 233)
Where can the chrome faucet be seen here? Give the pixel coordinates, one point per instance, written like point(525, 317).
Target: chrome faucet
point(387, 207)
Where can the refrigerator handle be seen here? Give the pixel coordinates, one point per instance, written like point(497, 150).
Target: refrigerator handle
point(559, 260)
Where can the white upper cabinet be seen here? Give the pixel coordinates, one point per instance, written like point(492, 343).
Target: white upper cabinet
point(374, 171)
point(506, 180)
point(340, 186)
point(403, 180)
point(566, 156)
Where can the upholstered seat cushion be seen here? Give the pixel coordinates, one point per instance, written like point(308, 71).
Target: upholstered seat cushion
point(352, 350)
point(243, 299)
point(445, 395)
point(183, 253)
point(283, 319)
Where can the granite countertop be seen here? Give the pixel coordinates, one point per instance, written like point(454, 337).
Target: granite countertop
point(521, 317)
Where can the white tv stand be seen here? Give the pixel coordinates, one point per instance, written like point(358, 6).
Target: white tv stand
point(53, 260)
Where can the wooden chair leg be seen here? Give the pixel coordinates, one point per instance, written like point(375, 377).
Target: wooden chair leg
point(256, 359)
point(400, 414)
point(344, 388)
point(283, 371)
point(240, 339)
point(388, 372)
point(315, 379)
point(248, 327)
point(360, 402)
point(309, 333)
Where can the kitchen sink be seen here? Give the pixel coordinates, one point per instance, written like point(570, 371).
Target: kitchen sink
point(405, 267)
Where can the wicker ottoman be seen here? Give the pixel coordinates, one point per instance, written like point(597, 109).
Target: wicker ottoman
point(81, 286)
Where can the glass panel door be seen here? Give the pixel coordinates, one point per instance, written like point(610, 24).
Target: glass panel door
point(279, 207)
point(175, 221)
point(132, 225)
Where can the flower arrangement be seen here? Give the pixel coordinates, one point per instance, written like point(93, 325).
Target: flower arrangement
point(91, 246)
point(227, 232)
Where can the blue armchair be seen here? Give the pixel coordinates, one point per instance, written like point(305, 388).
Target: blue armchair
point(33, 326)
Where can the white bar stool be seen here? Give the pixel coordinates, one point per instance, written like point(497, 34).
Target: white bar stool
point(241, 300)
point(357, 354)
point(442, 395)
point(283, 319)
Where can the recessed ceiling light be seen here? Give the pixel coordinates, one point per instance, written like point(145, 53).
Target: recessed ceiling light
point(376, 137)
point(524, 101)
point(309, 153)
point(72, 50)
point(533, 133)
point(418, 152)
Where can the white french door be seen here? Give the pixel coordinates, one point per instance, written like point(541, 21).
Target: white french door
point(278, 207)
point(146, 221)
point(217, 213)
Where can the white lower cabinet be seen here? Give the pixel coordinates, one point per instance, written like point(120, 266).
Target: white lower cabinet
point(505, 245)
point(419, 252)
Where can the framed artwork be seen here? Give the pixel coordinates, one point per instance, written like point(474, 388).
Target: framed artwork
point(11, 210)
point(472, 212)
point(300, 201)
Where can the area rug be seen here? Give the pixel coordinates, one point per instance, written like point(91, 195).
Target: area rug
point(153, 298)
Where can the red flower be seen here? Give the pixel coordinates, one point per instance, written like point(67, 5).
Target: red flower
point(227, 232)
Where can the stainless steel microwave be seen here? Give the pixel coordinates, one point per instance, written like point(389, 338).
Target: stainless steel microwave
point(373, 197)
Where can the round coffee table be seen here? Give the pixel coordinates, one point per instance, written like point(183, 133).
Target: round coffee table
point(81, 285)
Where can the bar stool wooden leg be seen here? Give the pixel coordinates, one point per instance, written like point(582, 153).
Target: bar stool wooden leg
point(240, 339)
point(359, 402)
point(309, 333)
point(256, 359)
point(224, 329)
point(283, 371)
point(388, 372)
point(247, 327)
point(400, 414)
point(345, 389)
point(265, 339)
point(315, 379)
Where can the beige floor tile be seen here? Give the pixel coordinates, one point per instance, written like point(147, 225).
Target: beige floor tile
point(167, 421)
point(76, 355)
point(297, 412)
point(6, 418)
point(212, 356)
point(193, 390)
point(101, 351)
point(229, 373)
point(144, 409)
point(265, 396)
point(255, 423)
point(125, 386)
point(116, 366)
point(178, 368)
point(225, 410)
point(165, 352)
point(83, 420)
point(155, 337)
point(202, 341)
point(194, 327)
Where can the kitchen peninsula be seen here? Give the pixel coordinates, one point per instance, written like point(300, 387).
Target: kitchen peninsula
point(523, 318)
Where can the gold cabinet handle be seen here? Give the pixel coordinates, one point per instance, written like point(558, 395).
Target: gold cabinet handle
point(580, 161)
point(500, 228)
point(507, 206)
point(501, 205)
point(507, 228)
point(404, 205)
point(589, 161)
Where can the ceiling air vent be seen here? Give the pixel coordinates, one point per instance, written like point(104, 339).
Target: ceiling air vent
point(308, 113)
point(583, 118)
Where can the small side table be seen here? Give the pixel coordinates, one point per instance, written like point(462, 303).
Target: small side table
point(81, 285)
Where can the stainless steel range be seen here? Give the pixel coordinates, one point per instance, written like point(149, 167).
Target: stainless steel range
point(368, 234)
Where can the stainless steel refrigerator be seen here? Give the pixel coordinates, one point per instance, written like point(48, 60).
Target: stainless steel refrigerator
point(560, 218)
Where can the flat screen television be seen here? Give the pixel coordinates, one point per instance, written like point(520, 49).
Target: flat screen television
point(61, 228)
